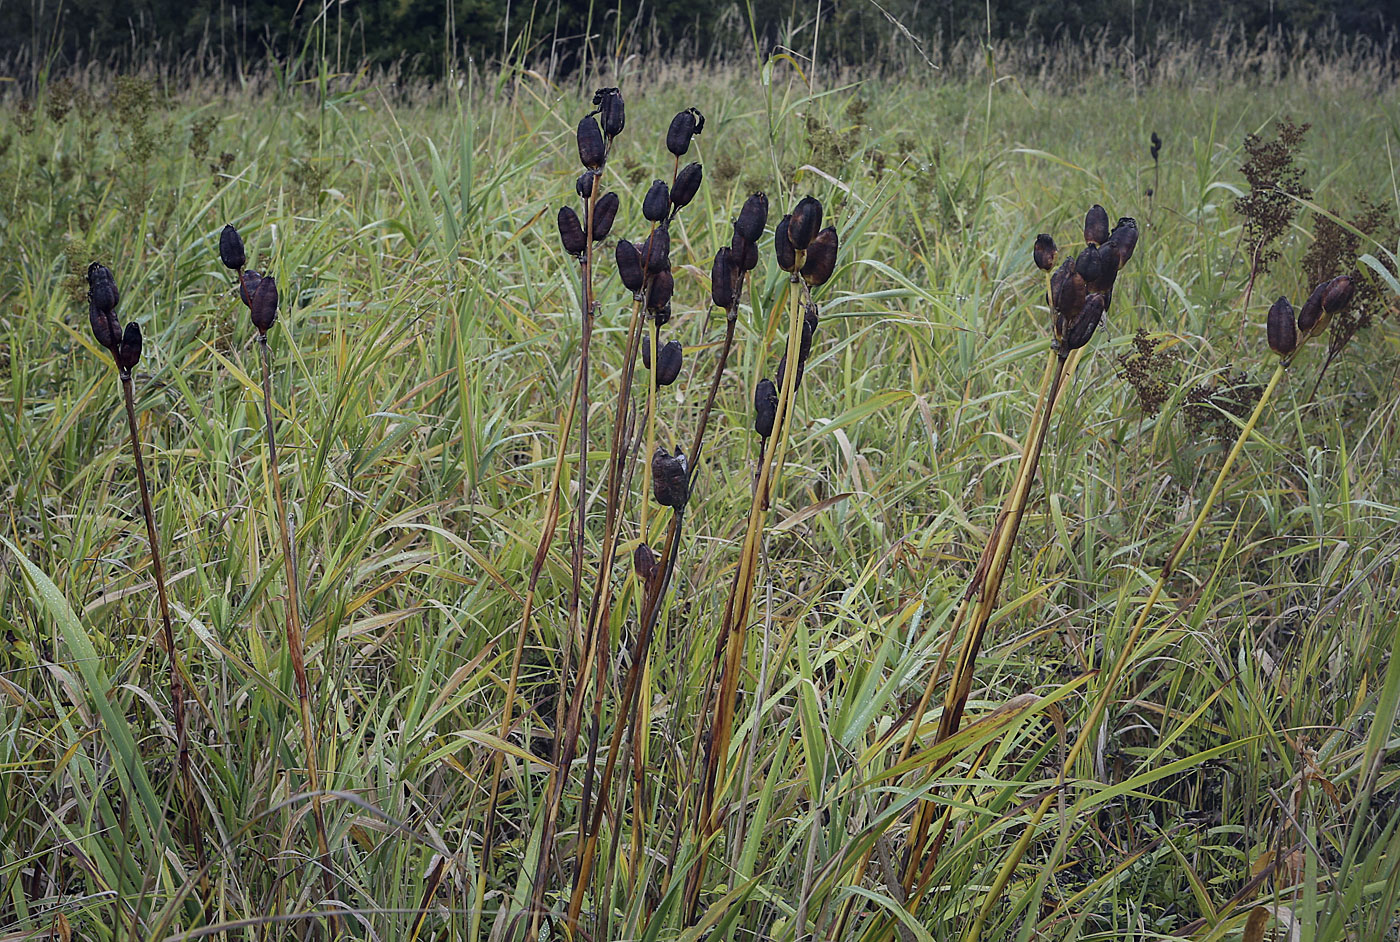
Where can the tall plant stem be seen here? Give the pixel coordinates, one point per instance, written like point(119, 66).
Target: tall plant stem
point(546, 540)
point(295, 647)
point(177, 684)
point(1120, 665)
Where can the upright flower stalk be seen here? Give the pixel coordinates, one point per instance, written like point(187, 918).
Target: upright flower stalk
point(259, 293)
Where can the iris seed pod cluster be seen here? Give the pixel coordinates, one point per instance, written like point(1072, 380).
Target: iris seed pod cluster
point(257, 292)
point(594, 142)
point(1081, 289)
point(670, 479)
point(1286, 332)
point(103, 297)
point(740, 257)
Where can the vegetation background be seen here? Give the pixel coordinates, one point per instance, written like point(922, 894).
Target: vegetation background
point(1245, 778)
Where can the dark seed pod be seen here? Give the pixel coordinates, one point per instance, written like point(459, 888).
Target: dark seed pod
point(1338, 295)
point(102, 288)
point(629, 265)
point(821, 258)
point(591, 151)
point(662, 315)
point(684, 126)
point(128, 352)
point(782, 246)
point(264, 306)
point(805, 223)
point(765, 407)
point(687, 185)
point(669, 360)
point(670, 479)
point(1156, 145)
point(1282, 328)
point(1083, 327)
point(752, 218)
point(611, 110)
point(231, 249)
point(663, 286)
point(1089, 265)
point(722, 280)
point(604, 212)
point(1044, 252)
point(1096, 225)
point(584, 185)
point(1124, 239)
point(659, 251)
point(657, 203)
point(571, 232)
point(1069, 297)
point(1310, 314)
point(743, 253)
point(644, 562)
point(248, 286)
point(104, 326)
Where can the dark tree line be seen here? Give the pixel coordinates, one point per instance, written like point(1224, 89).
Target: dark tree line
point(423, 35)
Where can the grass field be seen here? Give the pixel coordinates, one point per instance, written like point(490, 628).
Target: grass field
point(1240, 779)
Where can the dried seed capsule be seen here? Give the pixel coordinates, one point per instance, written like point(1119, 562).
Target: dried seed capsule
point(128, 352)
point(1156, 145)
point(1044, 252)
point(611, 110)
point(571, 232)
point(604, 212)
point(821, 258)
point(670, 479)
point(662, 315)
point(722, 280)
point(1310, 314)
point(102, 288)
point(1282, 328)
point(248, 286)
point(1124, 239)
point(591, 152)
point(644, 562)
point(687, 185)
point(805, 223)
point(1096, 225)
point(105, 325)
point(1338, 294)
point(743, 253)
point(657, 203)
point(765, 407)
point(1083, 327)
point(1069, 296)
point(629, 265)
point(663, 286)
point(684, 126)
point(782, 246)
point(659, 251)
point(584, 185)
point(752, 218)
point(1089, 265)
point(668, 362)
point(264, 306)
point(231, 249)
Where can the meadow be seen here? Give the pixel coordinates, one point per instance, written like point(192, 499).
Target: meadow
point(1163, 732)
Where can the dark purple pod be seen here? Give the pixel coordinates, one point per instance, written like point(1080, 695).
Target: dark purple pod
point(1124, 239)
point(1089, 264)
point(1338, 295)
point(1096, 225)
point(1044, 252)
point(743, 253)
point(765, 407)
point(722, 280)
point(1083, 327)
point(644, 562)
point(821, 258)
point(1282, 328)
point(1311, 312)
point(687, 185)
point(663, 286)
point(805, 222)
point(752, 218)
point(231, 249)
point(105, 326)
point(584, 184)
point(128, 352)
point(591, 151)
point(263, 308)
point(604, 212)
point(669, 360)
point(571, 232)
point(611, 109)
point(1069, 296)
point(782, 246)
point(248, 286)
point(684, 126)
point(670, 479)
point(659, 251)
point(629, 265)
point(102, 288)
point(657, 203)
